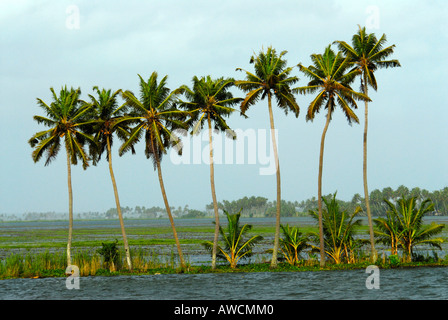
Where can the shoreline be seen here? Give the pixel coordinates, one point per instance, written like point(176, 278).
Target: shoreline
point(224, 268)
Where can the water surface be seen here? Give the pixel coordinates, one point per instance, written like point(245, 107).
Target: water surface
point(414, 283)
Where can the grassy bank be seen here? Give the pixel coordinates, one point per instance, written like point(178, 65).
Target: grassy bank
point(146, 262)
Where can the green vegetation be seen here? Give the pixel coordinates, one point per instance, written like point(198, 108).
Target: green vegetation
point(339, 231)
point(145, 262)
point(235, 246)
point(110, 254)
point(293, 243)
point(404, 226)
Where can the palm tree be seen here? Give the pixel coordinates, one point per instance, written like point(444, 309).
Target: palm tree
point(106, 119)
point(156, 116)
point(271, 78)
point(405, 219)
point(235, 246)
point(66, 115)
point(210, 100)
point(368, 54)
point(331, 81)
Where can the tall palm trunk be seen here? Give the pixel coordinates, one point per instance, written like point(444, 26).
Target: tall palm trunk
point(277, 167)
point(70, 210)
point(167, 207)
point(319, 188)
point(373, 255)
point(117, 202)
point(215, 202)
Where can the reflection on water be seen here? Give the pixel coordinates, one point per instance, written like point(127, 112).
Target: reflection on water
point(416, 283)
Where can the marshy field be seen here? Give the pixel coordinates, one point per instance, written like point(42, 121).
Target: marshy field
point(35, 249)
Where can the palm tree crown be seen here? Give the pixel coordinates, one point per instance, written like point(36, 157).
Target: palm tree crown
point(155, 115)
point(107, 120)
point(210, 98)
point(368, 54)
point(66, 116)
point(330, 79)
point(271, 77)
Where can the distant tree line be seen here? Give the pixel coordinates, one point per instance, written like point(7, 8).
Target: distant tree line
point(259, 207)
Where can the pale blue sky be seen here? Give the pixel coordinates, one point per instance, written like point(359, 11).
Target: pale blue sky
point(44, 45)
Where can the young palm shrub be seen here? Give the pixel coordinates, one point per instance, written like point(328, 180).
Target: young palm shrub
point(293, 243)
point(235, 246)
point(404, 226)
point(387, 232)
point(338, 230)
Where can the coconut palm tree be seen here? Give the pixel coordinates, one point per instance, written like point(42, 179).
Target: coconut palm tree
point(368, 54)
point(209, 100)
point(331, 81)
point(107, 121)
point(155, 115)
point(65, 115)
point(271, 79)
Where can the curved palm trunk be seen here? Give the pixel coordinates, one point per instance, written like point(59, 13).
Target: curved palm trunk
point(70, 210)
point(277, 165)
point(319, 189)
point(373, 256)
point(215, 202)
point(168, 210)
point(117, 202)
